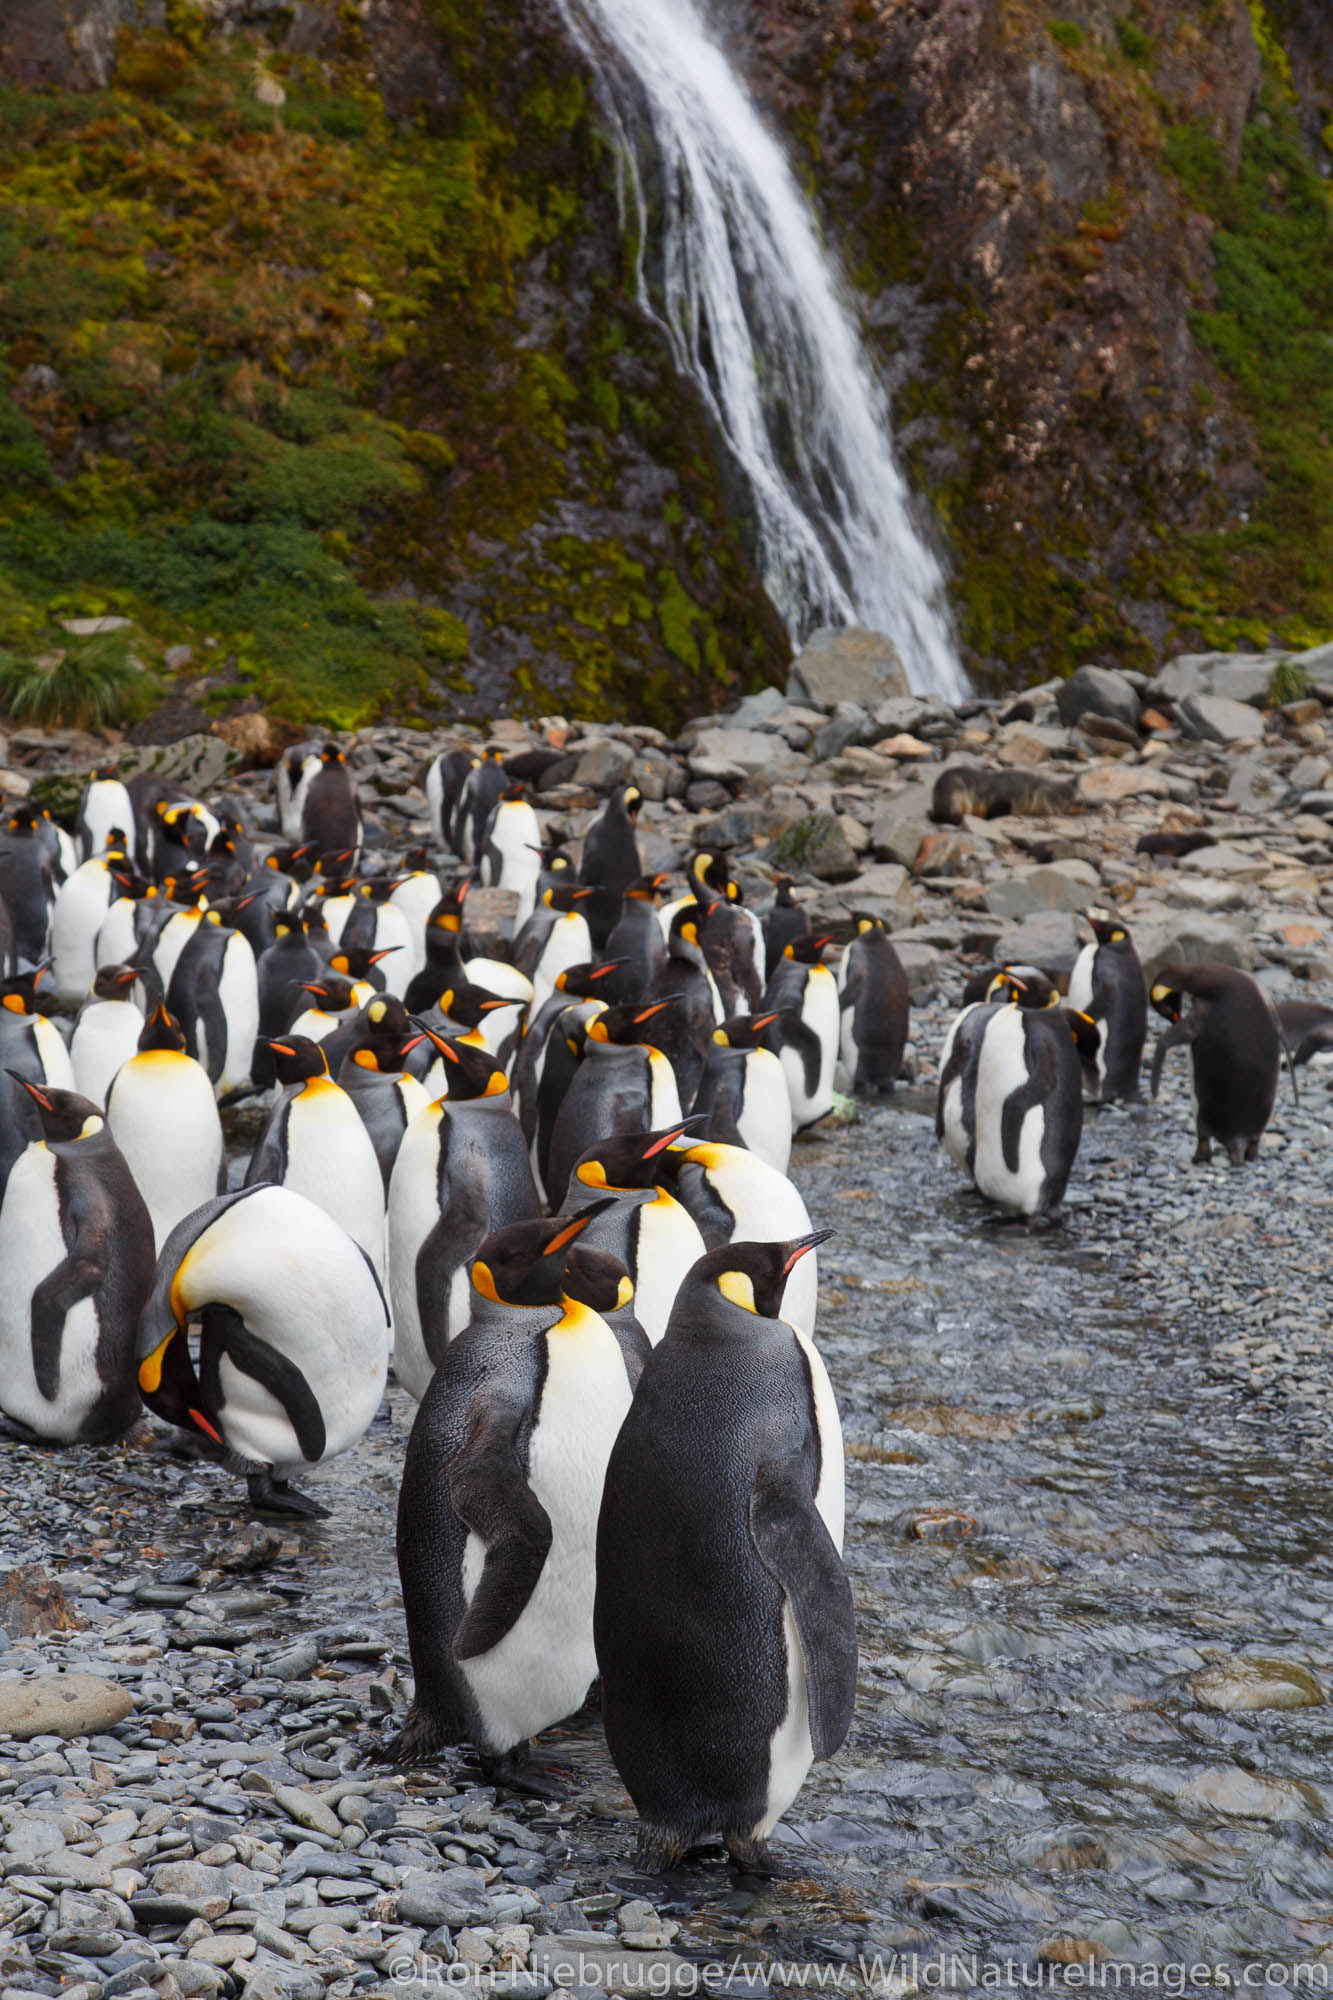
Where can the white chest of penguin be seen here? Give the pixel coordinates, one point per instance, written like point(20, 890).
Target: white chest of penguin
point(33, 1246)
point(1001, 1070)
point(547, 1658)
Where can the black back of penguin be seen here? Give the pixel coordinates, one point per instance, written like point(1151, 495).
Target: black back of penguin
point(1108, 984)
point(711, 1527)
point(784, 920)
point(876, 1007)
point(1224, 1018)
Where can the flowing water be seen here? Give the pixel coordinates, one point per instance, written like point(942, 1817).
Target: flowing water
point(730, 264)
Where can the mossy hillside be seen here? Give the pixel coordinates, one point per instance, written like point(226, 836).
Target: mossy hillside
point(267, 380)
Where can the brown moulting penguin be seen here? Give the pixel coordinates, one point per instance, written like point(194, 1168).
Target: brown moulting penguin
point(76, 1264)
point(784, 920)
point(724, 1625)
point(1107, 984)
point(1233, 1040)
point(330, 815)
point(293, 1346)
point(497, 1514)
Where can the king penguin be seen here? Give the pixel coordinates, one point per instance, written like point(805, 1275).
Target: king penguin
point(316, 1144)
point(462, 1170)
point(876, 1009)
point(1232, 1036)
point(743, 1097)
point(162, 1114)
point(330, 815)
point(107, 1032)
point(804, 994)
point(292, 1349)
point(76, 1264)
point(735, 1197)
point(1107, 984)
point(214, 994)
point(784, 920)
point(497, 1515)
point(623, 1084)
point(639, 1220)
point(724, 1625)
point(1028, 1105)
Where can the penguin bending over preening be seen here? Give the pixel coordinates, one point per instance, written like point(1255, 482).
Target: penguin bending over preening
point(1233, 1041)
point(724, 1625)
point(1107, 984)
point(497, 1516)
point(293, 1352)
point(76, 1264)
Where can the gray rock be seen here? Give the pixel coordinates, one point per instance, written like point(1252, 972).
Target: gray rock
point(1047, 938)
point(746, 750)
point(1242, 677)
point(1191, 937)
point(1213, 719)
point(1049, 888)
point(567, 1961)
point(207, 1890)
point(1098, 691)
point(847, 725)
point(757, 708)
point(268, 1977)
point(1254, 785)
point(198, 762)
point(33, 1839)
point(307, 1810)
point(897, 836)
point(1247, 1683)
point(849, 664)
point(819, 843)
point(61, 1705)
point(1318, 664)
point(601, 762)
point(293, 1663)
point(885, 891)
point(453, 1896)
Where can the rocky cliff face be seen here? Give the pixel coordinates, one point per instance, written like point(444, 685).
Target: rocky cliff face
point(343, 370)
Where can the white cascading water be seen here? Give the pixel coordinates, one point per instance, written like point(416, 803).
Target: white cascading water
point(751, 305)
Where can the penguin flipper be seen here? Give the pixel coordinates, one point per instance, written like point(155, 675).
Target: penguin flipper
point(793, 1543)
point(1041, 1081)
point(807, 1046)
point(488, 1487)
point(52, 1301)
point(1180, 1031)
point(225, 1332)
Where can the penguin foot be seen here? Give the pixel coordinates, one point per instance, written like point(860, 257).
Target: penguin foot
point(269, 1495)
point(756, 1857)
point(13, 1432)
point(519, 1771)
point(421, 1740)
point(1203, 1152)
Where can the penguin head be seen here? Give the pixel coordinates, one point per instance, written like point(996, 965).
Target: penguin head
point(782, 887)
point(470, 1072)
point(63, 1114)
point(356, 962)
point(581, 981)
point(632, 799)
point(634, 1160)
point(469, 1005)
point(1087, 1036)
point(624, 1025)
point(595, 1278)
point(688, 922)
point(567, 896)
point(114, 982)
point(1105, 926)
point(1024, 986)
point(647, 888)
point(868, 925)
point(745, 1031)
point(290, 927)
point(331, 868)
point(1167, 1000)
point(447, 916)
point(19, 994)
point(331, 755)
point(27, 819)
point(296, 1059)
point(332, 994)
point(754, 1275)
point(161, 1031)
point(385, 1020)
point(807, 950)
point(523, 1264)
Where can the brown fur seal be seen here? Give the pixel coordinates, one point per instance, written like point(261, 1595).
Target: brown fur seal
point(967, 788)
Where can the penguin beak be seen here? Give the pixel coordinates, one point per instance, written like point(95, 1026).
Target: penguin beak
point(666, 1139)
point(376, 956)
point(801, 1244)
point(39, 1096)
point(762, 1020)
point(282, 1048)
point(406, 1048)
point(572, 1229)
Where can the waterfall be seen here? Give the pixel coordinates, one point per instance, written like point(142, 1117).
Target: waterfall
point(730, 265)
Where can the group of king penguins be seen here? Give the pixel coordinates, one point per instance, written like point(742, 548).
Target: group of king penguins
point(545, 1182)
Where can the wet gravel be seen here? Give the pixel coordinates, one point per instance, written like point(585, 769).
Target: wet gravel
point(1087, 1495)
